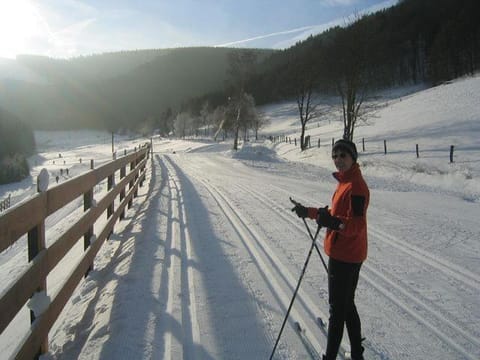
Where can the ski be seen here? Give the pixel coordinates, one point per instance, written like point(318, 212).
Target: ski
point(322, 325)
point(308, 345)
point(369, 352)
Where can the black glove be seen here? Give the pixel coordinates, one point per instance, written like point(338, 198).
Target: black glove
point(324, 219)
point(302, 211)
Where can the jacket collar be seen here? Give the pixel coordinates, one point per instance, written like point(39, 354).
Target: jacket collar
point(347, 175)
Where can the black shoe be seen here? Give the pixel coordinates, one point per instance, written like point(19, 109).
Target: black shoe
point(359, 355)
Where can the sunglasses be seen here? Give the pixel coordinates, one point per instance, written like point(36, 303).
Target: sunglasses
point(341, 155)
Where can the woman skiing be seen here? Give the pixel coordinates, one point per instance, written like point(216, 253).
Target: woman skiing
point(345, 244)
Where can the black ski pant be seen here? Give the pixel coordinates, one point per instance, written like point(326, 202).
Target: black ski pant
point(342, 283)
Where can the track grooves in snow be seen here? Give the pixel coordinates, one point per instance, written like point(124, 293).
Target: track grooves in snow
point(427, 258)
point(452, 270)
point(395, 290)
point(418, 310)
point(281, 282)
point(181, 292)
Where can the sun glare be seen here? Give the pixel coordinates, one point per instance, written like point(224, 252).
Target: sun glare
point(20, 27)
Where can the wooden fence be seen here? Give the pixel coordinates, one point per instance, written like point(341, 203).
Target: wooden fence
point(308, 144)
point(29, 218)
point(5, 203)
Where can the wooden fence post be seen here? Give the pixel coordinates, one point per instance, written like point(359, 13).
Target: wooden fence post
point(110, 181)
point(385, 146)
point(136, 161)
point(363, 144)
point(416, 149)
point(123, 172)
point(110, 208)
point(452, 147)
point(130, 185)
point(87, 204)
point(87, 237)
point(36, 243)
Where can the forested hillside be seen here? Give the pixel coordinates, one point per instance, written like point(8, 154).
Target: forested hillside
point(117, 90)
point(415, 41)
point(429, 41)
point(16, 142)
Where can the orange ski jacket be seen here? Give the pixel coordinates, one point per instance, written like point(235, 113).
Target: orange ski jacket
point(349, 204)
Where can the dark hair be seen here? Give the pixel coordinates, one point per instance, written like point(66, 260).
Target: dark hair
point(347, 146)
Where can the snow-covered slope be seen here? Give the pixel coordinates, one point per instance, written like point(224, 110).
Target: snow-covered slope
point(205, 267)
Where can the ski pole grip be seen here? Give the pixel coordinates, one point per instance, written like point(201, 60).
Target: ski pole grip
point(294, 203)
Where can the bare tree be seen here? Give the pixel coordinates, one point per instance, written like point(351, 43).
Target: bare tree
point(235, 115)
point(303, 77)
point(182, 124)
point(349, 64)
point(248, 114)
point(218, 119)
point(241, 66)
point(205, 117)
point(259, 121)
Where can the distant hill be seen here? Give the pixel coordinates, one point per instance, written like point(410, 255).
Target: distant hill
point(93, 67)
point(14, 70)
point(415, 41)
point(114, 90)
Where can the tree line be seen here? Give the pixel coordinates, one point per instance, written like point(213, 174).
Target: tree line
point(415, 41)
point(16, 143)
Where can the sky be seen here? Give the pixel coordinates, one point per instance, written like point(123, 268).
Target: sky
point(71, 28)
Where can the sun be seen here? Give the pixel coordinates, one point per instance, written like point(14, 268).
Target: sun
point(20, 25)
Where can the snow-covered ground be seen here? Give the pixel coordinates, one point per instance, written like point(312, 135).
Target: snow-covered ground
point(205, 265)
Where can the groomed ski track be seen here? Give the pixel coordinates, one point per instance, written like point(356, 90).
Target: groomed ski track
point(218, 255)
point(274, 275)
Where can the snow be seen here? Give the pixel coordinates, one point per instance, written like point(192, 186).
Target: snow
point(205, 263)
point(39, 303)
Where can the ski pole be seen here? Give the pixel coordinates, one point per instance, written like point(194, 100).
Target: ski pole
point(311, 237)
point(314, 239)
point(316, 246)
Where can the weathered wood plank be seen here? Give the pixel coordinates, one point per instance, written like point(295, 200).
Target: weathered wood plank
point(21, 218)
point(17, 294)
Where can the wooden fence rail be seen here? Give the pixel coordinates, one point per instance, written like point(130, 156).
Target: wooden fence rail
point(29, 218)
point(308, 144)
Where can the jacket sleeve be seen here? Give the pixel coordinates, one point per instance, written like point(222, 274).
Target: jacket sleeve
point(355, 219)
point(312, 213)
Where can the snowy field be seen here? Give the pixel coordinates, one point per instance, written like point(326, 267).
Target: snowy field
point(206, 263)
